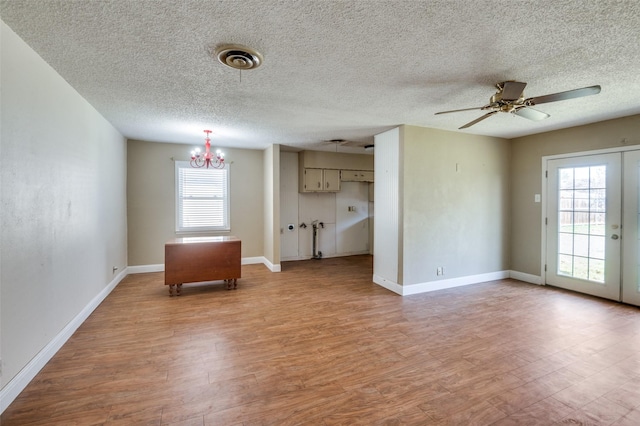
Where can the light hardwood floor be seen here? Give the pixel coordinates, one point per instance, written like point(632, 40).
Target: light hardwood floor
point(320, 344)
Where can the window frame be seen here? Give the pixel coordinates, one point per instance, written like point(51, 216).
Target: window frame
point(179, 225)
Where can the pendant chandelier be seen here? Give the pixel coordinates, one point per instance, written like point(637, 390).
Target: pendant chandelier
point(207, 159)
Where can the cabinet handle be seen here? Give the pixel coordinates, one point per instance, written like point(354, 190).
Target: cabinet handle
point(318, 184)
point(327, 185)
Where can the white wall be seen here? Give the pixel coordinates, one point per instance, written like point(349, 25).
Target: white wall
point(387, 255)
point(321, 207)
point(352, 218)
point(63, 174)
point(289, 205)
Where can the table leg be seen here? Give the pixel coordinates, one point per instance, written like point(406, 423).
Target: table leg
point(170, 290)
point(235, 283)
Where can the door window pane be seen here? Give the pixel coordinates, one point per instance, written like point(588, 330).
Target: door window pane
point(596, 247)
point(565, 177)
point(596, 270)
point(581, 267)
point(581, 220)
point(565, 243)
point(596, 224)
point(581, 245)
point(565, 264)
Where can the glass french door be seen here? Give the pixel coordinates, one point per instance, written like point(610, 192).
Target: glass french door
point(593, 225)
point(583, 224)
point(631, 227)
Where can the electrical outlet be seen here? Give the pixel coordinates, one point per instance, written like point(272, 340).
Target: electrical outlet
point(440, 270)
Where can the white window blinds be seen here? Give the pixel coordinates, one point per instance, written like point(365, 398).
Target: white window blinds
point(202, 199)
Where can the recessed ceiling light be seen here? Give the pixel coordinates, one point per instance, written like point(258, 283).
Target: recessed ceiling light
point(238, 57)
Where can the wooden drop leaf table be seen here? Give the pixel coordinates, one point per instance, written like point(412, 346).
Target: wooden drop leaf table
point(198, 259)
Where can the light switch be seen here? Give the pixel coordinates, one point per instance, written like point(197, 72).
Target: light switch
point(536, 198)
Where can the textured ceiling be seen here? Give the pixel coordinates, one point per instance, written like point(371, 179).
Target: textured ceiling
point(333, 69)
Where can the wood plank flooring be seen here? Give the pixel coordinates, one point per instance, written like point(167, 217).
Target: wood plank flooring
point(320, 344)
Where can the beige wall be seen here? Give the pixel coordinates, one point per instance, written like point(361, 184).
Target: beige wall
point(527, 153)
point(151, 199)
point(271, 217)
point(456, 202)
point(335, 160)
point(63, 173)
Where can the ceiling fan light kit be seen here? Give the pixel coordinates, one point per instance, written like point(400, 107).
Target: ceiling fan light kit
point(510, 98)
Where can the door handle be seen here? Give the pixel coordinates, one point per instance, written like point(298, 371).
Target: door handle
point(614, 237)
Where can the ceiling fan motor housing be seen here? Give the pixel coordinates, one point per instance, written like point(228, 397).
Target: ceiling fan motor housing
point(498, 100)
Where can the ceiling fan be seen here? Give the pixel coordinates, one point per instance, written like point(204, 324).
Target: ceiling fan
point(510, 98)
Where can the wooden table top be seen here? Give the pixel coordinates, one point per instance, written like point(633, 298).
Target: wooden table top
point(194, 240)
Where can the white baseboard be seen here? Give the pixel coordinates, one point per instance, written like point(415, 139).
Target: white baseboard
point(252, 260)
point(453, 282)
point(528, 278)
point(325, 256)
point(272, 267)
point(389, 285)
point(143, 269)
point(24, 377)
point(263, 260)
point(407, 290)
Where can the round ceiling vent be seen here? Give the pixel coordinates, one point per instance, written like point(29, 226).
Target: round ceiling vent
point(238, 57)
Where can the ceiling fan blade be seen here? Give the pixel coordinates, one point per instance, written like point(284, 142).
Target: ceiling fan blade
point(512, 90)
point(477, 120)
point(531, 114)
point(458, 110)
point(561, 96)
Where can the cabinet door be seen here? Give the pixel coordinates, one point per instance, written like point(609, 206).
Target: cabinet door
point(331, 180)
point(349, 175)
point(356, 176)
point(313, 180)
point(366, 176)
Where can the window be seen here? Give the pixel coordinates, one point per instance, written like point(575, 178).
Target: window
point(582, 211)
point(202, 198)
